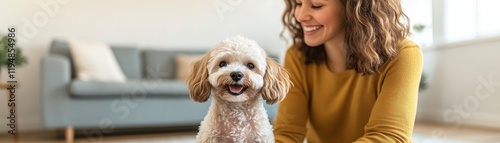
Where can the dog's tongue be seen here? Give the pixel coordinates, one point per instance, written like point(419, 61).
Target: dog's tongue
point(235, 88)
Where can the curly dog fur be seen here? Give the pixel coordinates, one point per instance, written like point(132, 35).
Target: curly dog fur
point(237, 73)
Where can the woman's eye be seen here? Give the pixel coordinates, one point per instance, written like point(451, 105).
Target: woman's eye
point(298, 4)
point(250, 66)
point(222, 64)
point(316, 7)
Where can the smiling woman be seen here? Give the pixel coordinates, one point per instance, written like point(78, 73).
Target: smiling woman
point(321, 21)
point(355, 75)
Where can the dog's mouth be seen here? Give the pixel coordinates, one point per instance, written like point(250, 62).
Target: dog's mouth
point(236, 89)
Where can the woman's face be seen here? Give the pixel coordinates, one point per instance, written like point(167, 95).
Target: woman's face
point(321, 20)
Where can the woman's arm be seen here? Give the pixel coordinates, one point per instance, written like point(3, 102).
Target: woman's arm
point(290, 124)
point(393, 115)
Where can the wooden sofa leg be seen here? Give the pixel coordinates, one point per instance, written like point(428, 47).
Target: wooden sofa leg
point(70, 134)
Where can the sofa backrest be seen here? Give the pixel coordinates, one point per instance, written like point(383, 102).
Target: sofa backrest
point(161, 63)
point(138, 63)
point(129, 58)
point(130, 61)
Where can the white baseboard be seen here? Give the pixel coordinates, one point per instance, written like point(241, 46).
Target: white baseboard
point(487, 120)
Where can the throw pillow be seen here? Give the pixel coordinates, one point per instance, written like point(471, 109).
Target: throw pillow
point(95, 61)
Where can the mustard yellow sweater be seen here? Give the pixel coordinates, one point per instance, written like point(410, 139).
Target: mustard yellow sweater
point(327, 107)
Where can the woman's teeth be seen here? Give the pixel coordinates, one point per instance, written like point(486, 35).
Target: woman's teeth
point(311, 28)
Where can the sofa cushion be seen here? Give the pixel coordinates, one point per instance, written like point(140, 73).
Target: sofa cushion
point(95, 61)
point(81, 88)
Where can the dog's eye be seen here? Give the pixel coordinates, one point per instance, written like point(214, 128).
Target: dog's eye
point(222, 64)
point(250, 66)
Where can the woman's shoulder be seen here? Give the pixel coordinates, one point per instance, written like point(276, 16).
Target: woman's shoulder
point(294, 58)
point(407, 44)
point(294, 52)
point(293, 49)
point(408, 49)
point(409, 54)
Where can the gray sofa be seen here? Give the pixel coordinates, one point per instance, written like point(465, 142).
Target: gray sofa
point(151, 97)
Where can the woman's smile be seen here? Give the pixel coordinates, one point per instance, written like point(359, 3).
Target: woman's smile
point(310, 30)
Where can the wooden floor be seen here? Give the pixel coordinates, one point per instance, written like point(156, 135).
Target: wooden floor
point(439, 133)
point(423, 133)
point(123, 135)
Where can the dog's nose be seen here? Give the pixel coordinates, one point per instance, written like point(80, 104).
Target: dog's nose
point(236, 76)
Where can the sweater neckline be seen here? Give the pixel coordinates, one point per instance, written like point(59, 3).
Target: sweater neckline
point(347, 72)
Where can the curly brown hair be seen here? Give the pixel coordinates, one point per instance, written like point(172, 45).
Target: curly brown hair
point(373, 30)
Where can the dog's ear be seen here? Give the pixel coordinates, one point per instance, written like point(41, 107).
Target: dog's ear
point(199, 87)
point(276, 82)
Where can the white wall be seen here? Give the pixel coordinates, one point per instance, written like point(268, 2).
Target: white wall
point(152, 23)
point(455, 69)
point(464, 84)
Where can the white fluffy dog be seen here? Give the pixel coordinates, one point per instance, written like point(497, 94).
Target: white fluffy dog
point(237, 72)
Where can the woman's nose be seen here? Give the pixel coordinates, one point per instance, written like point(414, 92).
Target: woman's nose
point(302, 14)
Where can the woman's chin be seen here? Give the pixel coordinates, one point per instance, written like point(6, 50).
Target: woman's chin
point(312, 43)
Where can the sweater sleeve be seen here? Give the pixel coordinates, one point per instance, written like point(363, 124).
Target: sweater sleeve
point(290, 124)
point(393, 115)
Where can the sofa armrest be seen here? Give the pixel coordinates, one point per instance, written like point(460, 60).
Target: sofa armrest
point(55, 77)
